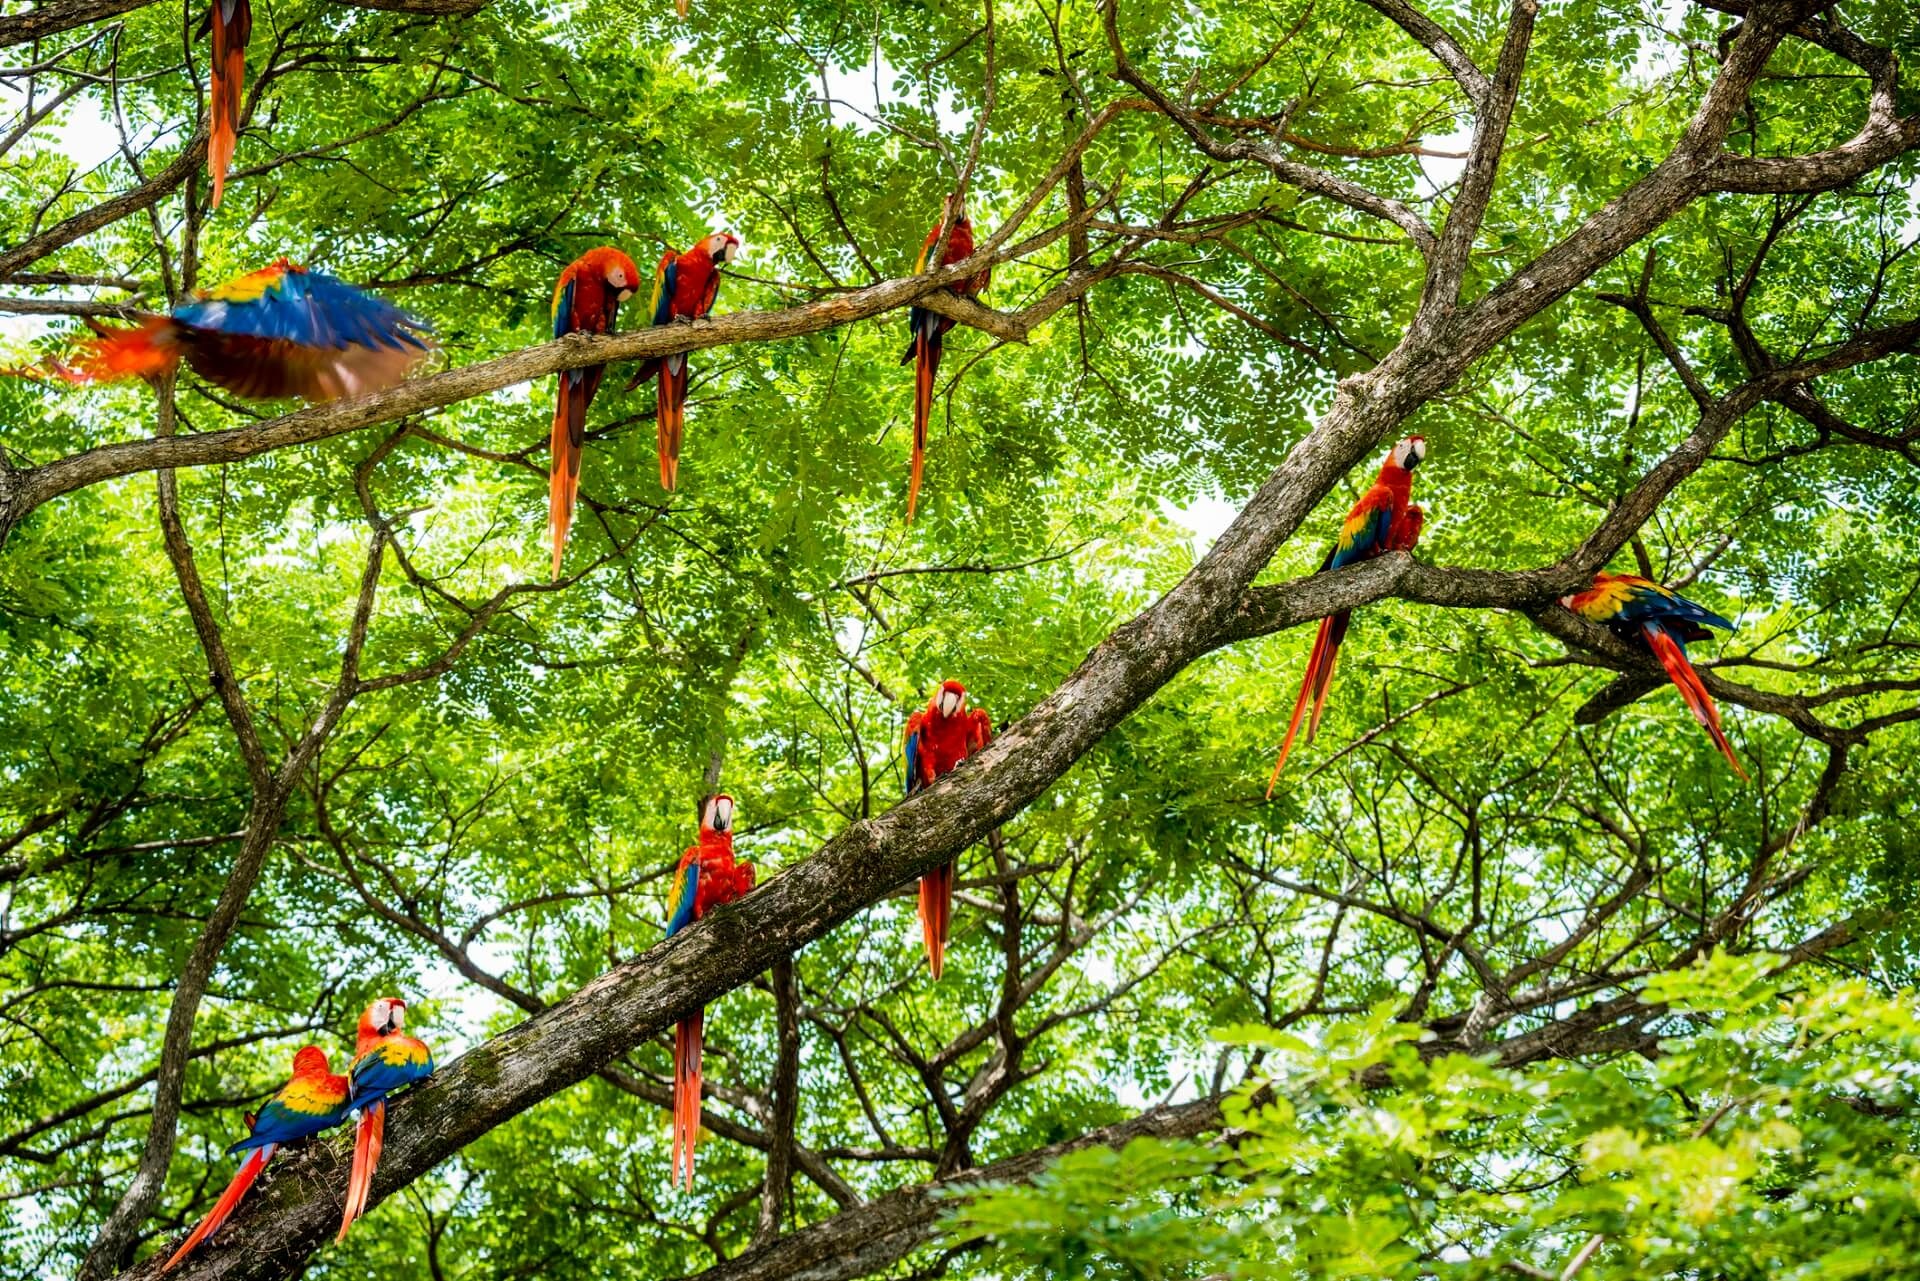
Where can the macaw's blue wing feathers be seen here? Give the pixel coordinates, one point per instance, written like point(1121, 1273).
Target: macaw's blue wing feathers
point(666, 278)
point(563, 321)
point(914, 782)
point(680, 911)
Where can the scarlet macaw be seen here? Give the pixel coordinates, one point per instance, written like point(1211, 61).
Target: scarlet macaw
point(586, 299)
point(314, 1099)
point(385, 1059)
point(684, 287)
point(1382, 521)
point(938, 739)
point(706, 878)
point(232, 23)
point(929, 330)
point(1641, 611)
point(279, 331)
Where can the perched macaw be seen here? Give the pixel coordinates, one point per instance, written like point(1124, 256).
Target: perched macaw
point(586, 299)
point(706, 878)
point(385, 1059)
point(938, 739)
point(1643, 612)
point(1382, 521)
point(928, 330)
point(279, 331)
point(315, 1099)
point(232, 23)
point(684, 287)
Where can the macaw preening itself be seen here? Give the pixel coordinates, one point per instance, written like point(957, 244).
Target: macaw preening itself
point(706, 878)
point(279, 331)
point(684, 287)
point(232, 25)
point(1643, 612)
point(586, 300)
point(1382, 521)
point(938, 739)
point(385, 1059)
point(313, 1100)
point(928, 330)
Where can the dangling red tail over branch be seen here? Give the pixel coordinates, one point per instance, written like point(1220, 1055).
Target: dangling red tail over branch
point(223, 1208)
point(232, 27)
point(1687, 681)
point(936, 910)
point(689, 1040)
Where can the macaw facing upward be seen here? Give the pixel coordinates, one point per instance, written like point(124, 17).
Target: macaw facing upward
point(314, 1099)
point(684, 287)
point(586, 300)
point(1382, 521)
point(385, 1059)
point(1641, 611)
point(232, 24)
point(928, 332)
point(938, 739)
point(706, 878)
point(279, 331)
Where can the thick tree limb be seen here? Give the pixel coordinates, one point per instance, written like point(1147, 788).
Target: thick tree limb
point(21, 490)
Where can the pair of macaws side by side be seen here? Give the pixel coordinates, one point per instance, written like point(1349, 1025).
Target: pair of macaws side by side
point(586, 299)
point(280, 331)
point(1635, 609)
point(385, 1059)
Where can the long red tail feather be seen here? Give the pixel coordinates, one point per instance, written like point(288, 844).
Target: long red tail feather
point(689, 1039)
point(670, 416)
point(1688, 682)
point(367, 1141)
point(936, 911)
point(226, 77)
point(926, 364)
point(1308, 684)
point(1323, 679)
point(223, 1208)
point(563, 480)
point(148, 349)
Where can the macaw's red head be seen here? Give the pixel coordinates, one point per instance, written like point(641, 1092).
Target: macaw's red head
point(384, 1017)
point(616, 269)
point(1409, 453)
point(716, 813)
point(722, 246)
point(952, 698)
point(309, 1060)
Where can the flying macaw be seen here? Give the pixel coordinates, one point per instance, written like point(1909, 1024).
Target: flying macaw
point(938, 739)
point(385, 1059)
point(232, 24)
point(684, 287)
point(315, 1099)
point(706, 878)
point(1382, 521)
point(279, 331)
point(586, 299)
point(929, 331)
point(1643, 612)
